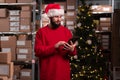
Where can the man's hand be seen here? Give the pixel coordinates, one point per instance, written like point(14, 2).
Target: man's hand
point(60, 43)
point(70, 46)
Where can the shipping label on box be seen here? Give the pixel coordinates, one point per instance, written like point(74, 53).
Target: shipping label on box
point(6, 50)
point(4, 70)
point(26, 72)
point(14, 18)
point(20, 43)
point(25, 27)
point(14, 28)
point(4, 38)
point(71, 13)
point(14, 23)
point(105, 29)
point(70, 7)
point(24, 50)
point(69, 22)
point(24, 57)
point(105, 19)
point(14, 12)
point(24, 43)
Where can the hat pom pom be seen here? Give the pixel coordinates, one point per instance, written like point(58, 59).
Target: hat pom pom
point(44, 17)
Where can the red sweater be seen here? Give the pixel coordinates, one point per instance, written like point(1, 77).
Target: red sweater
point(54, 63)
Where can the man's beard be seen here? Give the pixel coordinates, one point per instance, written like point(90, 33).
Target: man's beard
point(54, 25)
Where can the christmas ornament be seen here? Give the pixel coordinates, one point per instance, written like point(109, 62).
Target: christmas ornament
point(89, 42)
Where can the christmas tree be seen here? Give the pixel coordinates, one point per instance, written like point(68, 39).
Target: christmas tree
point(89, 63)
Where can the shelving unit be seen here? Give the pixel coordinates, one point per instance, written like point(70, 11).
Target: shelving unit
point(30, 64)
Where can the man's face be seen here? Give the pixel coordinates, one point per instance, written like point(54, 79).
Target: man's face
point(55, 21)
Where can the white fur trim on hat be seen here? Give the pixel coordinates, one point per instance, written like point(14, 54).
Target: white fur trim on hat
point(55, 12)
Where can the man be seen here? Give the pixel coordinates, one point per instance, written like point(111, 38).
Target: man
point(52, 48)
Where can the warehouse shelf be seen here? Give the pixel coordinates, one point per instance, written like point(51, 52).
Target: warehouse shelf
point(102, 32)
point(7, 4)
point(28, 33)
point(32, 33)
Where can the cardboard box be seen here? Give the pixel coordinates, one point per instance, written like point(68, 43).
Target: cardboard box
point(4, 25)
point(11, 50)
point(22, 37)
point(71, 1)
point(25, 21)
point(10, 1)
point(8, 41)
point(24, 43)
point(3, 12)
point(105, 19)
point(25, 14)
point(106, 24)
point(25, 28)
point(24, 57)
point(26, 74)
point(3, 78)
point(71, 15)
point(26, 8)
point(5, 57)
point(2, 1)
point(5, 70)
point(24, 1)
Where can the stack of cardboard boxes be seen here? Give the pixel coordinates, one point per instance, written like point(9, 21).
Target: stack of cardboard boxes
point(24, 48)
point(6, 66)
point(15, 20)
point(15, 1)
point(15, 48)
point(71, 14)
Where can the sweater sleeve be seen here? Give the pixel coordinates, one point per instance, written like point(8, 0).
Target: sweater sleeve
point(41, 50)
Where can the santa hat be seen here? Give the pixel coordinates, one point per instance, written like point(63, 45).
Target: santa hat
point(53, 10)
